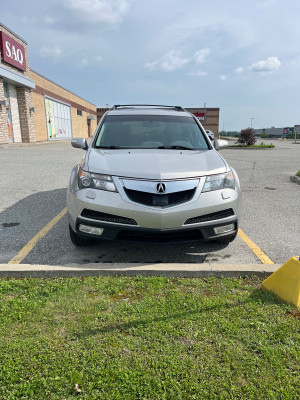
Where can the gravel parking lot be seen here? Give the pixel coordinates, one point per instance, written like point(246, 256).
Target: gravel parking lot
point(33, 191)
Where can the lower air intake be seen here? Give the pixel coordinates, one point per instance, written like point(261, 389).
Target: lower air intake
point(210, 217)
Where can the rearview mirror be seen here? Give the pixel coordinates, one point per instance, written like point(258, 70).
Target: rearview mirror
point(220, 144)
point(79, 143)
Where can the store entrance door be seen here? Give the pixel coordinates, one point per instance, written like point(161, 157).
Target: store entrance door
point(8, 113)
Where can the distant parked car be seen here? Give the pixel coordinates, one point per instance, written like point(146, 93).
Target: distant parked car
point(211, 135)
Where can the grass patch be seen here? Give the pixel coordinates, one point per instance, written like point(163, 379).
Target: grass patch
point(255, 146)
point(146, 338)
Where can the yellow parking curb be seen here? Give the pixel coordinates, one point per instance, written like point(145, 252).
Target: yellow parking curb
point(285, 282)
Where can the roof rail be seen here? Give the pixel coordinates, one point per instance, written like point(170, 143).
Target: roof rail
point(116, 106)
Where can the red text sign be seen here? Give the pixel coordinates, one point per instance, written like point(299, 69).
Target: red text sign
point(12, 52)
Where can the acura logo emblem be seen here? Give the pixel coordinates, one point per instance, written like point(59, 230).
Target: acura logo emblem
point(161, 188)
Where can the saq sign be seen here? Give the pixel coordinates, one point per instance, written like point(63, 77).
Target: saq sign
point(12, 52)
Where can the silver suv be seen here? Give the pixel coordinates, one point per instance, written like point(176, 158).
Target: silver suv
point(151, 173)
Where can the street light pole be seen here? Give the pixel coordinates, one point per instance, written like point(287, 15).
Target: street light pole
point(251, 121)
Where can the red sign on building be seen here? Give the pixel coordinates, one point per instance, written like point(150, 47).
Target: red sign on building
point(12, 52)
point(200, 113)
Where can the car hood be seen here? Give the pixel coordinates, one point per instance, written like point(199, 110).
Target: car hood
point(155, 163)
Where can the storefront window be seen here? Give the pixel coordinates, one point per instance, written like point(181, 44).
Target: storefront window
point(58, 119)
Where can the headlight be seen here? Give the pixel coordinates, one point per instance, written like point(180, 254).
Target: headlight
point(95, 181)
point(217, 182)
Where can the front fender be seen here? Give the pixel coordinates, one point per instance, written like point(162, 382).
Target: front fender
point(73, 183)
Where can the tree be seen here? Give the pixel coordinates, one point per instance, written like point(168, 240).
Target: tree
point(247, 137)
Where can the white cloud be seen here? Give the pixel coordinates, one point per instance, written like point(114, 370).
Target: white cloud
point(53, 52)
point(83, 63)
point(99, 11)
point(239, 70)
point(200, 55)
point(269, 65)
point(173, 60)
point(48, 20)
point(198, 73)
point(98, 59)
point(263, 4)
point(223, 77)
point(169, 62)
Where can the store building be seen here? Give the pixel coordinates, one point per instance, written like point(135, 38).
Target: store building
point(209, 117)
point(33, 108)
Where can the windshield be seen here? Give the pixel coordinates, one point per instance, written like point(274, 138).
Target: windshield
point(150, 132)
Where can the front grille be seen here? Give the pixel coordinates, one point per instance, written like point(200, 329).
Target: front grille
point(99, 216)
point(160, 237)
point(210, 217)
point(160, 200)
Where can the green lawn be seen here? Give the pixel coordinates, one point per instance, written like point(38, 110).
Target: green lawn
point(146, 338)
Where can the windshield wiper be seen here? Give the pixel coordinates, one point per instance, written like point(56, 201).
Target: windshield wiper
point(176, 147)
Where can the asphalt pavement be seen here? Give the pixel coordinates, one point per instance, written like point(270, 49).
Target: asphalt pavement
point(33, 191)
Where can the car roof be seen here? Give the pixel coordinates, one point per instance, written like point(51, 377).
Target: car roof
point(149, 110)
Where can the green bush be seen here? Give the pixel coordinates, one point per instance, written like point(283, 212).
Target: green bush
point(292, 136)
point(298, 173)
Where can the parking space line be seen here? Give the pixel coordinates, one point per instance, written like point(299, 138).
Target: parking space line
point(30, 245)
point(256, 250)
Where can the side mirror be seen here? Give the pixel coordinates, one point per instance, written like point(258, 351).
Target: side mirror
point(79, 143)
point(220, 144)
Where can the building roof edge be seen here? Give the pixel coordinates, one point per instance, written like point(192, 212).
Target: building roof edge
point(12, 32)
point(42, 76)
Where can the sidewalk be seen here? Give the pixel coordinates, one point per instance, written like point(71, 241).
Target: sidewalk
point(26, 144)
point(130, 269)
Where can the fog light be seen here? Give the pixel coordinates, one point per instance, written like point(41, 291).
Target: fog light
point(93, 230)
point(224, 229)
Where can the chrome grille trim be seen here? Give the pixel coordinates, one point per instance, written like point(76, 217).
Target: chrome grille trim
point(99, 216)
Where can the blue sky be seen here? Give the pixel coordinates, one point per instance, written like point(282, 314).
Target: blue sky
point(242, 56)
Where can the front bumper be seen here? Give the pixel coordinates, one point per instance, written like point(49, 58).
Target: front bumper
point(130, 234)
point(154, 224)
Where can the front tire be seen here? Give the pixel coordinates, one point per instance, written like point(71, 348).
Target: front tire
point(78, 240)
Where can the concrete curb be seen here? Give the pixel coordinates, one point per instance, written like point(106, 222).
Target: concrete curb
point(128, 269)
point(28, 144)
point(248, 148)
